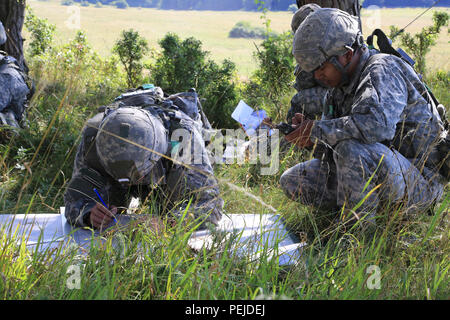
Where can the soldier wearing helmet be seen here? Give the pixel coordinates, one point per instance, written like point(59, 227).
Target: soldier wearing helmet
point(14, 91)
point(127, 151)
point(382, 133)
point(311, 98)
point(301, 15)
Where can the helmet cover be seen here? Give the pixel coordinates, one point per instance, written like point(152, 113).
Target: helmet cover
point(324, 33)
point(301, 14)
point(129, 142)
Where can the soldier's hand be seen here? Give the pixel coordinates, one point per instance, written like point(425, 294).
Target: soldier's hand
point(297, 119)
point(101, 216)
point(268, 122)
point(301, 136)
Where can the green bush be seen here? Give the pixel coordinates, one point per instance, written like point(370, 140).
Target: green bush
point(72, 81)
point(75, 64)
point(183, 64)
point(270, 86)
point(243, 29)
point(439, 82)
point(131, 49)
point(419, 44)
point(42, 33)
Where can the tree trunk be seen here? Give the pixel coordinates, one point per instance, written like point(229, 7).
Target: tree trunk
point(12, 15)
point(350, 6)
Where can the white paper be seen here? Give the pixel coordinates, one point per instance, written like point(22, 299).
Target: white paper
point(242, 112)
point(45, 228)
point(250, 119)
point(251, 234)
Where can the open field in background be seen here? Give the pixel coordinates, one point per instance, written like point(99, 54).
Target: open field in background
point(103, 27)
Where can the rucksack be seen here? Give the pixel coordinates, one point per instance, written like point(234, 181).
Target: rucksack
point(5, 59)
point(443, 146)
point(166, 107)
point(14, 114)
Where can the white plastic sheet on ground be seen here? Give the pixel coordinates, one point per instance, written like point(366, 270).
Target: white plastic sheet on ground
point(251, 234)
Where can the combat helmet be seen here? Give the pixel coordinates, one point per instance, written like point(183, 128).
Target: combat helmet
point(324, 34)
point(301, 14)
point(2, 34)
point(129, 142)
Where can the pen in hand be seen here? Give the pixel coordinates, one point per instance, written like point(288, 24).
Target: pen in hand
point(103, 202)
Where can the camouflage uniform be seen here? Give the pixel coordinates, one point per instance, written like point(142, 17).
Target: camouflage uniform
point(13, 88)
point(171, 183)
point(13, 93)
point(310, 97)
point(382, 127)
point(310, 102)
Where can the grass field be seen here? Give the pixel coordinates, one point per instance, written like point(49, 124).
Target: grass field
point(103, 27)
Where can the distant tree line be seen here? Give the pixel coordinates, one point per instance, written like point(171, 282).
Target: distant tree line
point(405, 3)
point(251, 5)
point(275, 5)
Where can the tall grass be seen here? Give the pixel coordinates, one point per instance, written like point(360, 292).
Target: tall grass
point(144, 264)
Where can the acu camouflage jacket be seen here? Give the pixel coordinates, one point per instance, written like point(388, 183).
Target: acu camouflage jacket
point(384, 102)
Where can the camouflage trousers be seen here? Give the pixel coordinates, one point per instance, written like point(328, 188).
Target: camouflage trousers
point(358, 171)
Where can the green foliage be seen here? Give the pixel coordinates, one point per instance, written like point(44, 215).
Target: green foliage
point(271, 84)
point(76, 63)
point(243, 29)
point(262, 7)
point(419, 44)
point(72, 81)
point(42, 33)
point(183, 64)
point(439, 82)
point(179, 65)
point(67, 2)
point(131, 49)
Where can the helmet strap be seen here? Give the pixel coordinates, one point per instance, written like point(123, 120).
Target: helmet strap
point(345, 76)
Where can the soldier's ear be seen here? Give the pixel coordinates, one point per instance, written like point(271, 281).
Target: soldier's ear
point(346, 58)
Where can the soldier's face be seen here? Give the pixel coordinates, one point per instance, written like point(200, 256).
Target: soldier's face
point(328, 74)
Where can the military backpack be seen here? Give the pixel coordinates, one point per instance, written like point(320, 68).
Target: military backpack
point(443, 146)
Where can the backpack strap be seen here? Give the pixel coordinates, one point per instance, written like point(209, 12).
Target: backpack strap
point(383, 42)
point(385, 46)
